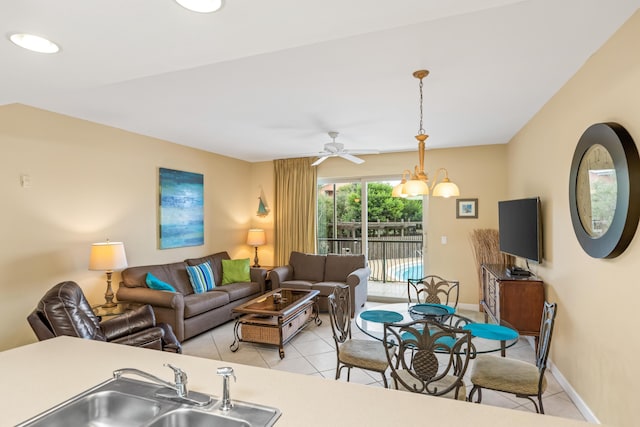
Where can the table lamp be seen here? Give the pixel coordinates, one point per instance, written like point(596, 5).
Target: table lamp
point(108, 256)
point(256, 238)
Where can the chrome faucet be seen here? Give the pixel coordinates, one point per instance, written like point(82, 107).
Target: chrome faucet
point(180, 379)
point(180, 386)
point(226, 372)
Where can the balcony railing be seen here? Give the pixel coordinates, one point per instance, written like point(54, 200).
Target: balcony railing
point(390, 259)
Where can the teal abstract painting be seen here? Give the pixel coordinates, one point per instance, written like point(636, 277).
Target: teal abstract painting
point(181, 209)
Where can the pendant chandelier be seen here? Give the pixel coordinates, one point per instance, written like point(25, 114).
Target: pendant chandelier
point(416, 183)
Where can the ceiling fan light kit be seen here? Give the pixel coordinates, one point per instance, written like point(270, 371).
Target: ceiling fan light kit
point(336, 149)
point(416, 184)
point(201, 6)
point(34, 43)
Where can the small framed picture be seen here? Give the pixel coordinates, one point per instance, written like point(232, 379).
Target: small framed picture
point(466, 208)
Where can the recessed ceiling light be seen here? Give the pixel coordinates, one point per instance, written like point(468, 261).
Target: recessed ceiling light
point(201, 6)
point(34, 43)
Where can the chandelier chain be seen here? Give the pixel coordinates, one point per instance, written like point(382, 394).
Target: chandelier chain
point(421, 130)
point(417, 184)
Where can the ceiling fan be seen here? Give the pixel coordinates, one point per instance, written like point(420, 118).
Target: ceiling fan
point(336, 149)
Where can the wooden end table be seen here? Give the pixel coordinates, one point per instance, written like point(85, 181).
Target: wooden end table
point(275, 317)
point(121, 307)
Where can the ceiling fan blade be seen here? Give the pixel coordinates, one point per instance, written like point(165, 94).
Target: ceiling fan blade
point(320, 160)
point(356, 152)
point(351, 158)
point(315, 154)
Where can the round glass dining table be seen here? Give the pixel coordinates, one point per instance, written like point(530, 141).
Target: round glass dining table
point(487, 336)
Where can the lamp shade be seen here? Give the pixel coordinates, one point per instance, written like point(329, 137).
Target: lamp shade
point(446, 189)
point(416, 187)
point(256, 237)
point(397, 191)
point(107, 256)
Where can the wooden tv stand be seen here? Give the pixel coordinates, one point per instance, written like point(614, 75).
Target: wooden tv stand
point(518, 301)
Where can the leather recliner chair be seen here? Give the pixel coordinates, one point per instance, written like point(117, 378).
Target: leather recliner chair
point(64, 310)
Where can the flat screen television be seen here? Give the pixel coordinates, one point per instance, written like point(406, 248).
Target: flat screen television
point(520, 228)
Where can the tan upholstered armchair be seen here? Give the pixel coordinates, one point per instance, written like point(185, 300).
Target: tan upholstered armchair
point(324, 273)
point(64, 310)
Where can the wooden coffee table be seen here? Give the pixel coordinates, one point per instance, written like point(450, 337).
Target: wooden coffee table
point(275, 317)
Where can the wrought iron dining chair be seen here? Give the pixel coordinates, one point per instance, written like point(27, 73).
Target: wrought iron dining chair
point(352, 353)
point(428, 357)
point(523, 379)
point(433, 289)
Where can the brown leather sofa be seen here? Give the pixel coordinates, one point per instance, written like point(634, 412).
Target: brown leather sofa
point(188, 313)
point(64, 310)
point(323, 273)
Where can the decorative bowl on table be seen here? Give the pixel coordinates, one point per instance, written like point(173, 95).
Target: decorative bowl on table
point(437, 312)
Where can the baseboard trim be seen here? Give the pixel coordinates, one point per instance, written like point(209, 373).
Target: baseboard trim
point(388, 300)
point(586, 412)
point(470, 307)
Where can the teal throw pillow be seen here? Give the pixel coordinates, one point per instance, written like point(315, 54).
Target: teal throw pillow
point(235, 271)
point(154, 283)
point(201, 277)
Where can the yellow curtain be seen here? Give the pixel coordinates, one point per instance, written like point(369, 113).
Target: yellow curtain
point(295, 213)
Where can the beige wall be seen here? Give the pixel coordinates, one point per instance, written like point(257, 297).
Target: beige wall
point(262, 180)
point(478, 171)
point(595, 344)
point(90, 182)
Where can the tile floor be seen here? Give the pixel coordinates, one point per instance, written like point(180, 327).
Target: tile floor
point(387, 292)
point(312, 352)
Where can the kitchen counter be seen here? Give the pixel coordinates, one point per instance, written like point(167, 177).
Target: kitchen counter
point(41, 375)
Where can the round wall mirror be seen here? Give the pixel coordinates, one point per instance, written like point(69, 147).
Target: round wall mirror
point(596, 190)
point(603, 190)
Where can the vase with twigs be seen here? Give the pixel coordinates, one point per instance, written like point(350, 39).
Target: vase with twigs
point(486, 250)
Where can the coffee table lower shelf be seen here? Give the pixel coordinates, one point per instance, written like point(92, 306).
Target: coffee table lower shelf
point(273, 330)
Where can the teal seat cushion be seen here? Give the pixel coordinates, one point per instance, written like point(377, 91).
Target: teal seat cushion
point(491, 331)
point(154, 283)
point(432, 309)
point(201, 277)
point(381, 316)
point(443, 343)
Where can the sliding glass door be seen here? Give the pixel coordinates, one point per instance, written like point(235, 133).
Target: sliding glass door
point(362, 217)
point(394, 234)
point(339, 218)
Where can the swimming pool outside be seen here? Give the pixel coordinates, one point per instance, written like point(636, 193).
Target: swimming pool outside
point(395, 269)
point(412, 271)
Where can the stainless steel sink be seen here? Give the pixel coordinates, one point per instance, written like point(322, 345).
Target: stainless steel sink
point(242, 414)
point(256, 415)
point(102, 408)
point(127, 402)
point(192, 418)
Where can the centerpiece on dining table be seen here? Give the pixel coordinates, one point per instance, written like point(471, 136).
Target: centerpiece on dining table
point(430, 311)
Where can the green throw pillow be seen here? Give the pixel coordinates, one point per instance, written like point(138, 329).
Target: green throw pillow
point(154, 283)
point(235, 270)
